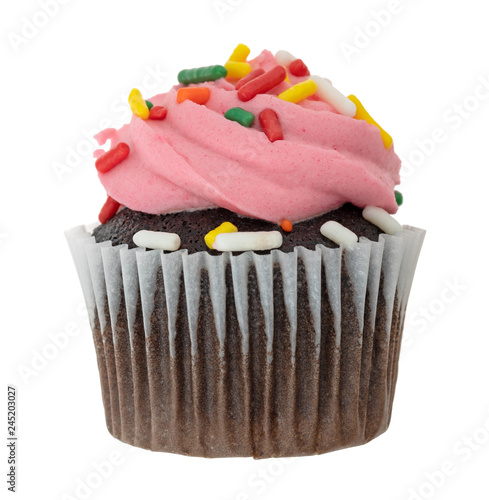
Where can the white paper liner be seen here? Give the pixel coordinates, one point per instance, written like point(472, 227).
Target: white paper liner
point(115, 280)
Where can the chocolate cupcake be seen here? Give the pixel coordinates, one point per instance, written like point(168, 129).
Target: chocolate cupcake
point(247, 287)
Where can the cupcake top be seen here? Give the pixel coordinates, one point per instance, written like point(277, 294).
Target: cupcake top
point(261, 138)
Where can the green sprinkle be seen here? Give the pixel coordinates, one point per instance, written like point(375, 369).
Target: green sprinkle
point(200, 75)
point(149, 104)
point(399, 198)
point(241, 116)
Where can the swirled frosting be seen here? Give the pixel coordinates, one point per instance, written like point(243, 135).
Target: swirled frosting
point(195, 158)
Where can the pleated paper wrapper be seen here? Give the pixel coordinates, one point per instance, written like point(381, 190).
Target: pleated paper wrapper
point(283, 354)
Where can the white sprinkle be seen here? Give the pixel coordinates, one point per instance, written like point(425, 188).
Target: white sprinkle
point(157, 240)
point(244, 241)
point(339, 234)
point(379, 217)
point(284, 58)
point(334, 97)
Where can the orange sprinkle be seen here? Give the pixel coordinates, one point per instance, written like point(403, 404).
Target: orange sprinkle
point(286, 225)
point(200, 95)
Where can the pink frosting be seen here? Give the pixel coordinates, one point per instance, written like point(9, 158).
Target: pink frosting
point(195, 158)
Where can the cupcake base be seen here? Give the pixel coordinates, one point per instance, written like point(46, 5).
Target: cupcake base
point(252, 355)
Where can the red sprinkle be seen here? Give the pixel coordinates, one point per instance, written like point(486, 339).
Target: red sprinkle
point(112, 158)
point(270, 125)
point(157, 113)
point(262, 83)
point(250, 76)
point(298, 68)
point(108, 210)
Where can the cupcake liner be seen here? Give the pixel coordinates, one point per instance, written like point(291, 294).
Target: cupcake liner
point(283, 354)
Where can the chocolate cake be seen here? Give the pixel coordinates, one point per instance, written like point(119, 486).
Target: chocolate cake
point(223, 402)
point(193, 226)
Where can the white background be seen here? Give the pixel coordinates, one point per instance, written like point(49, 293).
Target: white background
point(419, 74)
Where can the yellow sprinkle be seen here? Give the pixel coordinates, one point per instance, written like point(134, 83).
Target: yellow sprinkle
point(225, 227)
point(299, 92)
point(240, 53)
point(286, 75)
point(362, 114)
point(237, 69)
point(138, 105)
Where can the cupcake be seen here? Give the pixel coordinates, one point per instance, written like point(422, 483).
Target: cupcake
point(247, 285)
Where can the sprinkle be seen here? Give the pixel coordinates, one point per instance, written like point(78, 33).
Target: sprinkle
point(286, 225)
point(225, 227)
point(262, 83)
point(298, 68)
point(138, 104)
point(250, 76)
point(334, 97)
point(362, 114)
point(241, 116)
point(338, 233)
point(200, 95)
point(244, 241)
point(240, 53)
point(284, 57)
point(108, 210)
point(203, 74)
point(380, 218)
point(399, 198)
point(299, 91)
point(112, 158)
point(149, 104)
point(157, 240)
point(270, 125)
point(157, 113)
point(237, 69)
